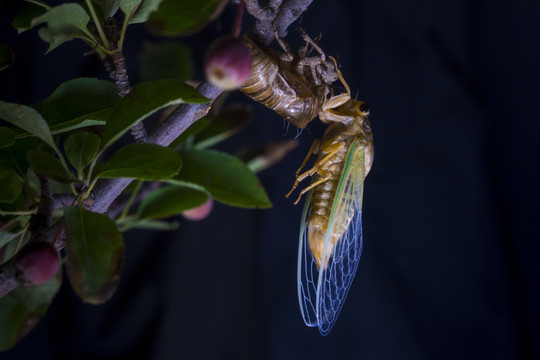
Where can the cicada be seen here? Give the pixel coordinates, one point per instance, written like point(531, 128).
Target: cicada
point(331, 228)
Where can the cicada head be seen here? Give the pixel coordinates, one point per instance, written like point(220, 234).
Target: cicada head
point(360, 127)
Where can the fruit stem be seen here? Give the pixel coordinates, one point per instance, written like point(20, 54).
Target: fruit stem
point(238, 20)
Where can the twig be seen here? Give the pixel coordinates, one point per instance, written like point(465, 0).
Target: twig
point(288, 13)
point(63, 200)
point(115, 65)
point(8, 281)
point(277, 15)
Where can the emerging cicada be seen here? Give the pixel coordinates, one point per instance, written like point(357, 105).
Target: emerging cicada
point(332, 219)
point(299, 88)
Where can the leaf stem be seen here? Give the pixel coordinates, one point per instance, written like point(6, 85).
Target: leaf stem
point(16, 213)
point(97, 23)
point(21, 237)
point(90, 187)
point(134, 194)
point(39, 3)
point(125, 24)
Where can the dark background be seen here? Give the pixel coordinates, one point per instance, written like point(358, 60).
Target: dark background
point(451, 242)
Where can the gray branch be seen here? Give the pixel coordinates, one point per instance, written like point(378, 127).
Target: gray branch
point(278, 15)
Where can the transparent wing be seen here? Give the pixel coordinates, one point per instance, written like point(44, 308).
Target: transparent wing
point(308, 272)
point(322, 293)
point(335, 281)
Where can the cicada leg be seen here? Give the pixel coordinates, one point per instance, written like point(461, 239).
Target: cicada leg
point(305, 190)
point(311, 43)
point(307, 48)
point(315, 148)
point(287, 54)
point(328, 112)
point(332, 150)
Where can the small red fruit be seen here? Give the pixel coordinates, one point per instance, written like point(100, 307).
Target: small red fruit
point(200, 212)
point(37, 263)
point(227, 63)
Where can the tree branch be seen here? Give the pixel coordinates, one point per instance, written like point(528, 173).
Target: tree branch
point(8, 281)
point(115, 65)
point(278, 13)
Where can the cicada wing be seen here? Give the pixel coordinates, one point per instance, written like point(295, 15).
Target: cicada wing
point(335, 279)
point(308, 272)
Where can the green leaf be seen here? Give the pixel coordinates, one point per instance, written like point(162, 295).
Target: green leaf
point(129, 6)
point(81, 148)
point(24, 17)
point(194, 129)
point(224, 125)
point(143, 100)
point(108, 7)
point(6, 56)
point(64, 22)
point(170, 200)
point(7, 137)
point(54, 40)
point(66, 16)
point(145, 9)
point(47, 165)
point(222, 176)
point(22, 309)
point(95, 254)
point(77, 98)
point(12, 247)
point(14, 157)
point(184, 17)
point(165, 60)
point(28, 119)
point(5, 237)
point(93, 119)
point(149, 224)
point(143, 162)
point(10, 186)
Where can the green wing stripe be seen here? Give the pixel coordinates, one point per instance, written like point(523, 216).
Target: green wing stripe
point(350, 164)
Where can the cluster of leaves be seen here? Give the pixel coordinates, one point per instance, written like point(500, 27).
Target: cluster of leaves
point(71, 139)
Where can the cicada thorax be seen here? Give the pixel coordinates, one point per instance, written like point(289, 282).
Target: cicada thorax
point(278, 85)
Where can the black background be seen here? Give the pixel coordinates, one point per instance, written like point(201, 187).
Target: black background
point(451, 242)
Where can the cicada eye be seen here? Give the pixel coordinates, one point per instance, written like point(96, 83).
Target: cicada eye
point(364, 108)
